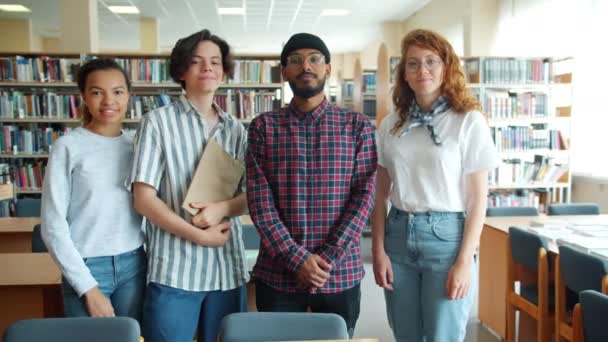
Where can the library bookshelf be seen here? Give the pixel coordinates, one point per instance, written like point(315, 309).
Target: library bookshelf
point(528, 103)
point(39, 102)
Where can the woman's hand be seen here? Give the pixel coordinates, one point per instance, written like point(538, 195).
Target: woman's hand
point(97, 304)
point(210, 214)
point(459, 280)
point(383, 270)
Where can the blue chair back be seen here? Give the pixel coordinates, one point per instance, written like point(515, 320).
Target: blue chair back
point(512, 211)
point(581, 271)
point(251, 237)
point(594, 307)
point(28, 207)
point(38, 245)
point(574, 209)
point(74, 329)
point(282, 326)
point(525, 246)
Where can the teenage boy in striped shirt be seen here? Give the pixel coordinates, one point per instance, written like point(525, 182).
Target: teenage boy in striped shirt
point(310, 183)
point(196, 272)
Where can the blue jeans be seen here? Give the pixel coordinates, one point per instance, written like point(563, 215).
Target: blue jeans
point(173, 315)
point(422, 248)
point(121, 278)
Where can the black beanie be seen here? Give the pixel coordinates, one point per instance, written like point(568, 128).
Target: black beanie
point(304, 41)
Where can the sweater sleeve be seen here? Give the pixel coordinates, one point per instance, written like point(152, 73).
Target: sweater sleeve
point(57, 187)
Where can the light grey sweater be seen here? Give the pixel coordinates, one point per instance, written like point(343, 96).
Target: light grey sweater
point(86, 210)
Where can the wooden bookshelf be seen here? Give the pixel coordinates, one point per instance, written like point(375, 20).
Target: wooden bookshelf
point(528, 106)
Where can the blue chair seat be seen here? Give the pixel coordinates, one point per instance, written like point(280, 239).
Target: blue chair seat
point(530, 293)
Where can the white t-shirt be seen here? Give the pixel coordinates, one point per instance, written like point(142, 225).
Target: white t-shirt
point(428, 177)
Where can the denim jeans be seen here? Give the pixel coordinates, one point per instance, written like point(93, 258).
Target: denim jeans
point(422, 248)
point(173, 315)
point(121, 278)
point(346, 303)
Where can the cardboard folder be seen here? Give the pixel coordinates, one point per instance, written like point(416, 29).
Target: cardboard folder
point(216, 178)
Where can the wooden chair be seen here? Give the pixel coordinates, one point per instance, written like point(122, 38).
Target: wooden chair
point(511, 211)
point(589, 317)
point(575, 272)
point(573, 209)
point(528, 263)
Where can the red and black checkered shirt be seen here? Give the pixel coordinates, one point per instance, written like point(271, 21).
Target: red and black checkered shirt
point(310, 186)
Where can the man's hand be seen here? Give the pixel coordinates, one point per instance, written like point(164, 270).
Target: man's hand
point(314, 272)
point(209, 214)
point(214, 236)
point(97, 304)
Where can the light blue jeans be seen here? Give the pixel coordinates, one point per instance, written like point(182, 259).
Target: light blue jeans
point(422, 248)
point(121, 278)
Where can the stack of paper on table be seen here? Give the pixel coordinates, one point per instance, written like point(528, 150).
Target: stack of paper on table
point(584, 243)
point(216, 178)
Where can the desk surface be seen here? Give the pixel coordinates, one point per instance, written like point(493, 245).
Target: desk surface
point(504, 222)
point(19, 269)
point(18, 224)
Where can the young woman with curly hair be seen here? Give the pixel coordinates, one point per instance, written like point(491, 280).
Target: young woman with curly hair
point(434, 155)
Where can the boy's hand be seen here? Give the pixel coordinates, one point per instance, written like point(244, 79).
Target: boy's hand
point(209, 214)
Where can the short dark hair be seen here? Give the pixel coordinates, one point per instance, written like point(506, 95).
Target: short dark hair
point(182, 52)
point(104, 64)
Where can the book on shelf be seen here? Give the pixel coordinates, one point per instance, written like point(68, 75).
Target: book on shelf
point(17, 140)
point(21, 105)
point(256, 72)
point(506, 104)
point(515, 70)
point(517, 171)
point(514, 138)
point(514, 198)
point(39, 69)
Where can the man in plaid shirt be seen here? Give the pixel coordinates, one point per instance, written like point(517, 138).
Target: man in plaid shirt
point(310, 184)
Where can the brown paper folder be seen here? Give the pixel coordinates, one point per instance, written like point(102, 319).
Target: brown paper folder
point(216, 178)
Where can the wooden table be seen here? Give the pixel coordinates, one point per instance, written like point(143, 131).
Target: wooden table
point(30, 287)
point(16, 234)
point(493, 264)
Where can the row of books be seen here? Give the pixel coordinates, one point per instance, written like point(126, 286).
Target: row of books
point(28, 175)
point(39, 69)
point(246, 71)
point(348, 88)
point(369, 82)
point(16, 140)
point(369, 108)
point(247, 104)
point(510, 105)
point(518, 171)
point(508, 70)
point(50, 105)
point(156, 70)
point(514, 198)
point(524, 138)
point(141, 104)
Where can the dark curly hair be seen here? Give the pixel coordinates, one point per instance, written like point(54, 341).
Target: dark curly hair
point(181, 55)
point(453, 87)
point(88, 68)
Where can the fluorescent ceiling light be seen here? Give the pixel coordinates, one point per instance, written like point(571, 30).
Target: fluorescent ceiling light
point(334, 12)
point(124, 9)
point(231, 10)
point(14, 8)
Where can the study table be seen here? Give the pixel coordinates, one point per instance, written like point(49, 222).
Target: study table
point(16, 234)
point(493, 260)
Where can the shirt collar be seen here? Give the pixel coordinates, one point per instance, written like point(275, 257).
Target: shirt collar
point(313, 115)
point(188, 107)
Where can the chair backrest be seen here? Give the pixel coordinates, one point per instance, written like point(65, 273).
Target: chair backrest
point(512, 211)
point(38, 245)
point(74, 329)
point(28, 207)
point(574, 209)
point(594, 307)
point(581, 271)
point(525, 246)
point(282, 326)
point(251, 237)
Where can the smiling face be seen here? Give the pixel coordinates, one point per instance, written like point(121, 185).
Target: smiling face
point(106, 97)
point(424, 72)
point(306, 72)
point(205, 73)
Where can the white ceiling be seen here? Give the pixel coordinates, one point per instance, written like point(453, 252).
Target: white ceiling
point(264, 29)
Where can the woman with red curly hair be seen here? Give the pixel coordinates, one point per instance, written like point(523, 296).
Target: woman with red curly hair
point(434, 155)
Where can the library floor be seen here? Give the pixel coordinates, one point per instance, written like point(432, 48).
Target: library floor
point(372, 321)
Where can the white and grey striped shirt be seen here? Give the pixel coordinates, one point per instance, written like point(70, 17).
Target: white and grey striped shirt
point(168, 145)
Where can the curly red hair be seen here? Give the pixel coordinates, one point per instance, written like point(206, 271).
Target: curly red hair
point(453, 88)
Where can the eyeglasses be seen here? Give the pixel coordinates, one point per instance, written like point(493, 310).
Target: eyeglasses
point(313, 59)
point(429, 63)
